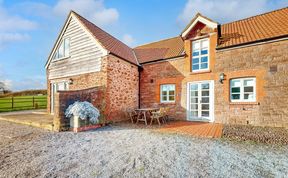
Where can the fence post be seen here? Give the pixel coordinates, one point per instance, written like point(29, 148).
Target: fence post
point(12, 102)
point(33, 102)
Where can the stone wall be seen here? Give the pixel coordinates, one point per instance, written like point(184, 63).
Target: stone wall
point(122, 88)
point(63, 99)
point(271, 107)
point(260, 61)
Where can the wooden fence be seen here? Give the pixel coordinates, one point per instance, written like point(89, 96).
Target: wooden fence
point(23, 103)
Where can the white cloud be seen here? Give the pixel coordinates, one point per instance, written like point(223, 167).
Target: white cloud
point(12, 27)
point(7, 38)
point(94, 10)
point(226, 10)
point(12, 22)
point(128, 40)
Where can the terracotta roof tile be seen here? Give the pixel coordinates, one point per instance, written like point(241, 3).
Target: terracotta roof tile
point(109, 42)
point(163, 49)
point(264, 26)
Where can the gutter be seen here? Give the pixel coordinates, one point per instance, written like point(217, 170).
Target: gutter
point(140, 69)
point(253, 43)
point(158, 60)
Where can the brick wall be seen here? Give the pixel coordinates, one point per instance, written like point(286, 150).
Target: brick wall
point(83, 81)
point(122, 88)
point(156, 74)
point(63, 99)
point(271, 108)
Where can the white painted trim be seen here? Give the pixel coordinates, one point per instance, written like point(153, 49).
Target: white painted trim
point(241, 100)
point(200, 70)
point(211, 99)
point(97, 43)
point(161, 101)
point(202, 20)
point(249, 45)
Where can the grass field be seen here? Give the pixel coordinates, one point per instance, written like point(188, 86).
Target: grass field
point(22, 103)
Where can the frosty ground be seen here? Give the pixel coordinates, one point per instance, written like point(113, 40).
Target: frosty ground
point(124, 151)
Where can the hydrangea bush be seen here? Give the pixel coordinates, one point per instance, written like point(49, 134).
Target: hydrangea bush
point(85, 111)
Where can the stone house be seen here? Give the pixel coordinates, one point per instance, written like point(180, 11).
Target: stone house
point(233, 73)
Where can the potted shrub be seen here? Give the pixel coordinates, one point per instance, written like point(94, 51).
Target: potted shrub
point(83, 116)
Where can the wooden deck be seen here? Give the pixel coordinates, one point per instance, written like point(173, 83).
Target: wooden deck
point(197, 129)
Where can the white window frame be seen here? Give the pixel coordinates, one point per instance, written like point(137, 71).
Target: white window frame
point(168, 100)
point(242, 90)
point(208, 55)
point(57, 50)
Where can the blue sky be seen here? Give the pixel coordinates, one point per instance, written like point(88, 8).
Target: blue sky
point(29, 28)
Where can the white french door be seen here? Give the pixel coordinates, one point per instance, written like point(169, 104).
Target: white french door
point(200, 104)
point(61, 86)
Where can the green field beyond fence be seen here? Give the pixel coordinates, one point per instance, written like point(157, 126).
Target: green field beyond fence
point(23, 103)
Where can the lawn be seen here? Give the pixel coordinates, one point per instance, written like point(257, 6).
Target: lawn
point(22, 103)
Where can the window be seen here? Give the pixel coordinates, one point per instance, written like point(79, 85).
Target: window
point(200, 55)
point(167, 93)
point(243, 90)
point(64, 50)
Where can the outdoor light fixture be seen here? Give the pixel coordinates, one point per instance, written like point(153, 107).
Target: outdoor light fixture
point(70, 81)
point(221, 77)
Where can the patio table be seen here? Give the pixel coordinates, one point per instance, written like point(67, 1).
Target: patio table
point(142, 114)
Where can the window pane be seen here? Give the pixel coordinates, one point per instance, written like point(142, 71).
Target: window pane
point(204, 44)
point(205, 114)
point(248, 89)
point(205, 93)
point(194, 113)
point(164, 98)
point(194, 87)
point(194, 106)
point(205, 107)
point(169, 87)
point(204, 66)
point(164, 92)
point(249, 96)
point(171, 92)
point(67, 47)
point(205, 100)
point(249, 82)
point(164, 87)
point(235, 83)
point(204, 59)
point(61, 50)
point(194, 100)
point(195, 67)
point(196, 53)
point(196, 46)
point(203, 52)
point(236, 90)
point(194, 93)
point(195, 60)
point(171, 98)
point(235, 96)
point(205, 86)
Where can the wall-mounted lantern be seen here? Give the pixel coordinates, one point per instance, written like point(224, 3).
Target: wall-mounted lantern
point(221, 77)
point(70, 81)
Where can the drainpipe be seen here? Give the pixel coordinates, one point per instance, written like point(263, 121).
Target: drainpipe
point(218, 34)
point(140, 69)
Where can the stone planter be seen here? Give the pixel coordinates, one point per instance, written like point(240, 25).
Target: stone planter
point(78, 125)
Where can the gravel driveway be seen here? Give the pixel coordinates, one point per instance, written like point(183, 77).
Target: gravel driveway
point(121, 151)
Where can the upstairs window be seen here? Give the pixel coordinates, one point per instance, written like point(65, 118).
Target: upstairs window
point(63, 50)
point(243, 90)
point(167, 93)
point(200, 55)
